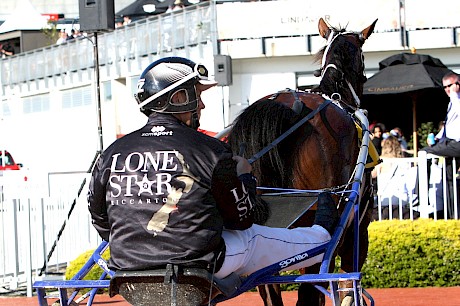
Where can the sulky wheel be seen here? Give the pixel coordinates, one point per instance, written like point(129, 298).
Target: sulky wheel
point(348, 300)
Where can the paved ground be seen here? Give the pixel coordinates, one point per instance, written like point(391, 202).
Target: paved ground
point(383, 297)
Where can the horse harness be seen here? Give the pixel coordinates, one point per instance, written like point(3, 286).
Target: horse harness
point(297, 105)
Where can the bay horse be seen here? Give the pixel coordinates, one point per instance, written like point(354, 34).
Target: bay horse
point(321, 153)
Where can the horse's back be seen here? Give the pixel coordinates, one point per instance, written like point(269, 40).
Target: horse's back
point(326, 148)
point(319, 154)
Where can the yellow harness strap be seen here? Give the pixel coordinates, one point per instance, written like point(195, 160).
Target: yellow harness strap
point(372, 151)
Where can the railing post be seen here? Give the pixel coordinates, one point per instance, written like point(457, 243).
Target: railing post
point(423, 184)
point(445, 193)
point(15, 280)
point(454, 187)
point(28, 265)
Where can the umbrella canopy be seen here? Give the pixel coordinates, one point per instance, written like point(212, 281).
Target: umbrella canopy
point(141, 8)
point(402, 78)
point(406, 72)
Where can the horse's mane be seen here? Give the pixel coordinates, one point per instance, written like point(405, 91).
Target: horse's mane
point(259, 125)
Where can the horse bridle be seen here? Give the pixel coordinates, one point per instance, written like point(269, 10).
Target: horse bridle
point(332, 36)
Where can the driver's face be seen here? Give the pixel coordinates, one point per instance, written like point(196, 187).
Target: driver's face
point(187, 117)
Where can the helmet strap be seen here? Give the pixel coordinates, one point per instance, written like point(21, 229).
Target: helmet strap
point(195, 121)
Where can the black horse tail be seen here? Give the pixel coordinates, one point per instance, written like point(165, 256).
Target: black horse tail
point(258, 126)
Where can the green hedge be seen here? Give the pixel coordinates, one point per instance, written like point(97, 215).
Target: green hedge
point(75, 265)
point(416, 253)
point(402, 254)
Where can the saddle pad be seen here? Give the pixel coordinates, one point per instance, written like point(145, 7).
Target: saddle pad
point(286, 209)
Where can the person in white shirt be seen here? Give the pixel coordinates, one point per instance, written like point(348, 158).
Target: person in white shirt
point(448, 139)
point(62, 37)
point(451, 129)
point(396, 182)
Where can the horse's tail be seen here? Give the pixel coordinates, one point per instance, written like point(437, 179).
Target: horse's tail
point(259, 125)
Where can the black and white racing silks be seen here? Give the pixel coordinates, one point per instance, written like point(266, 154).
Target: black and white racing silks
point(162, 194)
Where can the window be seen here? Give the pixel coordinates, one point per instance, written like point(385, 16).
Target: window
point(36, 104)
point(107, 91)
point(134, 81)
point(5, 109)
point(77, 97)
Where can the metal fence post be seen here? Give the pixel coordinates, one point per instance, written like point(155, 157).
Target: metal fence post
point(423, 183)
point(454, 187)
point(28, 266)
point(14, 280)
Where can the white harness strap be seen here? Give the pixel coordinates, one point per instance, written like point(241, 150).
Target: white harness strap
point(355, 96)
point(330, 40)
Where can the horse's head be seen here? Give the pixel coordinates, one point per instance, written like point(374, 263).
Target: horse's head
point(342, 62)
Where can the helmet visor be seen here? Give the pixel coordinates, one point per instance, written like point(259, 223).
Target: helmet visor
point(199, 72)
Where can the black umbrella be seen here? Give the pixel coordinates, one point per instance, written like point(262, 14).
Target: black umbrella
point(141, 8)
point(408, 76)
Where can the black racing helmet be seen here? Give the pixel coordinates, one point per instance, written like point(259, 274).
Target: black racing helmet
point(166, 77)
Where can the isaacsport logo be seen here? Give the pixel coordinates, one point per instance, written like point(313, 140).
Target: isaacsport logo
point(157, 131)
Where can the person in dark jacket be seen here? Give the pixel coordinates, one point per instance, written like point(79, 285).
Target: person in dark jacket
point(167, 193)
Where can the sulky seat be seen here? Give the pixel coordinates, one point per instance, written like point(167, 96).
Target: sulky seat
point(171, 285)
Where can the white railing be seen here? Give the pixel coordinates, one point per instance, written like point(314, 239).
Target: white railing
point(417, 187)
point(44, 224)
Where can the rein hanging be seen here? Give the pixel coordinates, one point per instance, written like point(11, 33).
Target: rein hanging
point(288, 132)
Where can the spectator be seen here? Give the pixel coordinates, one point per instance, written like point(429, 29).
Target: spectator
point(126, 20)
point(62, 37)
point(74, 33)
point(6, 49)
point(377, 136)
point(397, 132)
point(396, 181)
point(118, 24)
point(177, 5)
point(448, 139)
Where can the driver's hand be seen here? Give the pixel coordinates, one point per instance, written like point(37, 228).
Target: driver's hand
point(242, 166)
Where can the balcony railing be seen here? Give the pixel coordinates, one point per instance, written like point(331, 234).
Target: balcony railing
point(120, 51)
point(187, 32)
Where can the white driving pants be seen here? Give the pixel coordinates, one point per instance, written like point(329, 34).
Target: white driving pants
point(260, 246)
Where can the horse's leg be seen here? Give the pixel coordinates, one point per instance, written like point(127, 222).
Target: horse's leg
point(345, 250)
point(270, 294)
point(308, 295)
